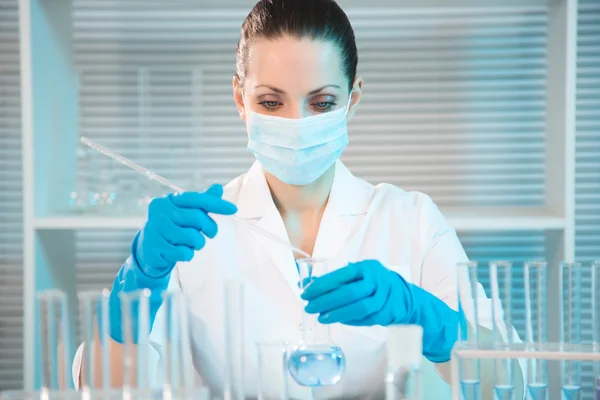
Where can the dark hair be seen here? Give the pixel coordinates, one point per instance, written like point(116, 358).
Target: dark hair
point(316, 19)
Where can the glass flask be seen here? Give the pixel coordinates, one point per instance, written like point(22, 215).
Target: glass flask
point(316, 360)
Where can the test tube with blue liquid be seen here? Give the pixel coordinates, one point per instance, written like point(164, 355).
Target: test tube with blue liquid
point(501, 288)
point(570, 318)
point(404, 354)
point(468, 333)
point(534, 274)
point(316, 360)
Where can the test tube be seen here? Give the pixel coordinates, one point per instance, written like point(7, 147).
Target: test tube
point(55, 340)
point(468, 331)
point(94, 308)
point(273, 376)
point(234, 340)
point(570, 318)
point(595, 279)
point(178, 367)
point(135, 325)
point(404, 352)
point(501, 285)
point(534, 274)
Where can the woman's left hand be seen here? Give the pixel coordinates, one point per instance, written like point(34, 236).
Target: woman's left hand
point(361, 294)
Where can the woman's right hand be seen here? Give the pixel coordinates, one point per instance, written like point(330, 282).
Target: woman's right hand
point(176, 227)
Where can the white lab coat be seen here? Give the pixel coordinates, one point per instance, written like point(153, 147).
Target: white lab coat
point(405, 231)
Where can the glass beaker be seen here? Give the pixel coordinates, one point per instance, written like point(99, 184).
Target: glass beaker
point(79, 198)
point(316, 360)
point(404, 353)
point(273, 381)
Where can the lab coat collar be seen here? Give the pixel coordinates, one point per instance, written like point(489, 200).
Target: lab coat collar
point(349, 198)
point(349, 195)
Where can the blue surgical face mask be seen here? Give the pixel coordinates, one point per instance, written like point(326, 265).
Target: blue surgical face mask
point(298, 151)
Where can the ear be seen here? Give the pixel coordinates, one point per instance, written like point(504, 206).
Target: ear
point(238, 98)
point(356, 96)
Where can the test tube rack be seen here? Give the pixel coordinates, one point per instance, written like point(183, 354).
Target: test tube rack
point(546, 351)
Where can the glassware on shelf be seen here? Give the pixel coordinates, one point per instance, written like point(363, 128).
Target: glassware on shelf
point(316, 360)
point(107, 189)
point(79, 200)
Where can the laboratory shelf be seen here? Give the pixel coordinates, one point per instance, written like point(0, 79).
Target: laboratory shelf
point(542, 351)
point(461, 220)
point(88, 223)
point(491, 219)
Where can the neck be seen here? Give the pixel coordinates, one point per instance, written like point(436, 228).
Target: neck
point(292, 199)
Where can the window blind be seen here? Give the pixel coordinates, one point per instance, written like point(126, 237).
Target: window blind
point(11, 217)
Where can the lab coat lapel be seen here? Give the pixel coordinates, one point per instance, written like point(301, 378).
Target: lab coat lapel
point(348, 203)
point(255, 203)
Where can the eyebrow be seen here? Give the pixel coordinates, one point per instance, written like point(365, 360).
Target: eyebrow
point(280, 91)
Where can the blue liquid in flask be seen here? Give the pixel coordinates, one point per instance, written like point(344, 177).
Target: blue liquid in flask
point(504, 392)
point(571, 392)
point(317, 365)
point(537, 391)
point(470, 389)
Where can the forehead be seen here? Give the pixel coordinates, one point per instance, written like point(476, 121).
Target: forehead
point(294, 65)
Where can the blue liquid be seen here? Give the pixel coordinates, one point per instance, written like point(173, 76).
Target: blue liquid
point(504, 392)
point(317, 365)
point(470, 389)
point(537, 391)
point(571, 392)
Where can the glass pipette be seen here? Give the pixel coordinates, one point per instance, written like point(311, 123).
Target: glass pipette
point(165, 182)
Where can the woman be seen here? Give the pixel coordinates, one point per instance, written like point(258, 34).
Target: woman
point(393, 252)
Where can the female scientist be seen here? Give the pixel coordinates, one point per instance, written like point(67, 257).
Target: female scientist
point(394, 255)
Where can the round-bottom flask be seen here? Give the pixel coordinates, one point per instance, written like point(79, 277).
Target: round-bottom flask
point(316, 360)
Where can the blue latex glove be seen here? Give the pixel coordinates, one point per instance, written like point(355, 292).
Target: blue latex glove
point(366, 293)
point(177, 226)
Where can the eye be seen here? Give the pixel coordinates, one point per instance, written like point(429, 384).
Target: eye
point(270, 104)
point(324, 105)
